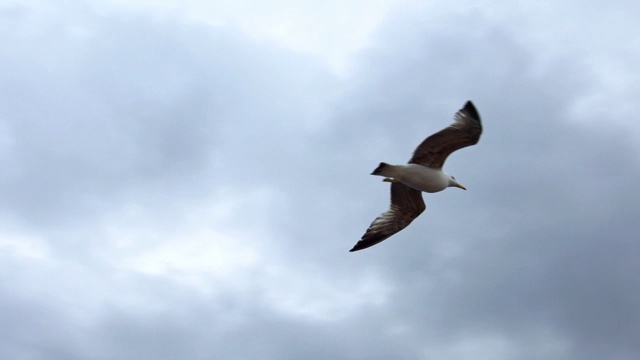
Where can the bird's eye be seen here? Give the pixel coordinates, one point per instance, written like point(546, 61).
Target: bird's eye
point(453, 177)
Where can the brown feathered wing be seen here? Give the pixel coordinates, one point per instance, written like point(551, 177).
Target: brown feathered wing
point(465, 131)
point(406, 205)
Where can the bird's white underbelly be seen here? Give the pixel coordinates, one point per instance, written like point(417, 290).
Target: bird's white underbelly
point(423, 178)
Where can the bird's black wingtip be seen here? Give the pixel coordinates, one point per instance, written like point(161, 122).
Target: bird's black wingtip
point(358, 246)
point(471, 109)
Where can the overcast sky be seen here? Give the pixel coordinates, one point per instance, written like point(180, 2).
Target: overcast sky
point(184, 179)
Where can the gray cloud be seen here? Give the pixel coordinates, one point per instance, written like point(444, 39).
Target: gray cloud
point(536, 260)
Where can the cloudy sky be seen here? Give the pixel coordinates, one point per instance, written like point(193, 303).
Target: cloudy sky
point(184, 179)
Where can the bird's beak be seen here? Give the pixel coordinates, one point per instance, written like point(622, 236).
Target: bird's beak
point(461, 187)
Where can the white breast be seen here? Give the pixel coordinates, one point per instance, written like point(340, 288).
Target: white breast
point(423, 178)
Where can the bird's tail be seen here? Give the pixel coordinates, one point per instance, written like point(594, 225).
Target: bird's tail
point(384, 169)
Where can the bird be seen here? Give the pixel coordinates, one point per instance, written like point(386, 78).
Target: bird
point(423, 173)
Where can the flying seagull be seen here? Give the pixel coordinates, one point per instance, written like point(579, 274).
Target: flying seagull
point(422, 173)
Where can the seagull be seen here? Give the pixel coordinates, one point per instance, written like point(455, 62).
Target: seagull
point(422, 173)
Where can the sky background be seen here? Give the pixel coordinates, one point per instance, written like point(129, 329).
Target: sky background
point(184, 179)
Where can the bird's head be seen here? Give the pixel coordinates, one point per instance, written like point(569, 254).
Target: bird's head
point(454, 183)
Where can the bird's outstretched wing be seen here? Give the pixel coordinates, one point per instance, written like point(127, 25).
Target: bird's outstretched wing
point(465, 131)
point(406, 205)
